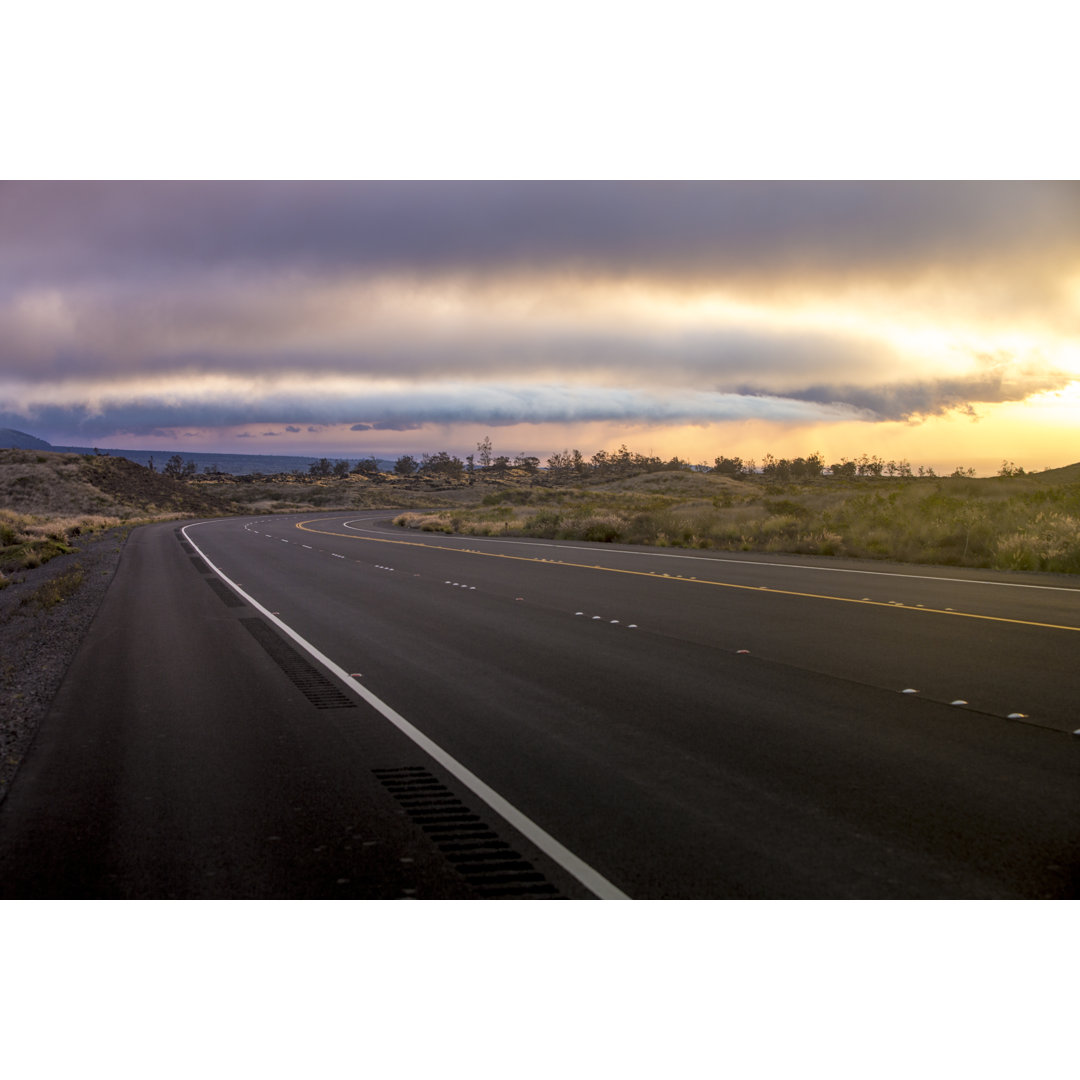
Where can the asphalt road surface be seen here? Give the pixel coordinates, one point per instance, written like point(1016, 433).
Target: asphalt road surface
point(326, 706)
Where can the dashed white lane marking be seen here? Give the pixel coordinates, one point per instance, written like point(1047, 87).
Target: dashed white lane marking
point(611, 622)
point(382, 539)
point(308, 546)
point(336, 555)
point(595, 882)
point(352, 527)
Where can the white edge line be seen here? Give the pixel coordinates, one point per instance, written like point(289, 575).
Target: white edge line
point(595, 882)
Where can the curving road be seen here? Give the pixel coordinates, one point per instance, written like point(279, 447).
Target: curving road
point(328, 706)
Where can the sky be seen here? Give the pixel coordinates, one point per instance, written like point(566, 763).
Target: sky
point(934, 322)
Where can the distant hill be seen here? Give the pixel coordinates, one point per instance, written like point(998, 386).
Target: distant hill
point(1066, 474)
point(50, 484)
point(234, 464)
point(19, 440)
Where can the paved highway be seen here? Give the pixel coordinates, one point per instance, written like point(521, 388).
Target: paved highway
point(328, 706)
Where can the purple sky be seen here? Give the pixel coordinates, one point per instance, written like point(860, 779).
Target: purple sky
point(390, 317)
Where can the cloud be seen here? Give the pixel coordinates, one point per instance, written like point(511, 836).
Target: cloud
point(135, 306)
point(411, 409)
point(930, 397)
point(71, 231)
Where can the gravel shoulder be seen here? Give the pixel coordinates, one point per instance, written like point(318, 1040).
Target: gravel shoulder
point(40, 634)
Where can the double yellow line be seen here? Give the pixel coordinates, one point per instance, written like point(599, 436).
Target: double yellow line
point(303, 525)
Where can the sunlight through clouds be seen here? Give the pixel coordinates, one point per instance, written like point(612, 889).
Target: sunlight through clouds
point(438, 308)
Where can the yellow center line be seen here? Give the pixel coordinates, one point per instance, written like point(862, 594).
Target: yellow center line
point(687, 581)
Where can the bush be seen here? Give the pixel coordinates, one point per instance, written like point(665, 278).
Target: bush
point(606, 529)
point(56, 590)
point(1050, 542)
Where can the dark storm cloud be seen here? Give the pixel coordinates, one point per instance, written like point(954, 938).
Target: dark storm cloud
point(476, 350)
point(511, 303)
point(160, 231)
point(411, 411)
point(930, 397)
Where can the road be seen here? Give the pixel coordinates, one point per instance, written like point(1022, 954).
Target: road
point(327, 706)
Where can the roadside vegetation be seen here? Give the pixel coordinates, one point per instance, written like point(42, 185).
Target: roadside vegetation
point(56, 590)
point(863, 508)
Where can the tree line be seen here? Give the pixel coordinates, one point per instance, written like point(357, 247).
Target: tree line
point(570, 464)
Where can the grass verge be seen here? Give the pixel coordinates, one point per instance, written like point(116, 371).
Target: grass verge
point(1002, 523)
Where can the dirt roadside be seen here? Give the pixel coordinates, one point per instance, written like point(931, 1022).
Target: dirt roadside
point(44, 616)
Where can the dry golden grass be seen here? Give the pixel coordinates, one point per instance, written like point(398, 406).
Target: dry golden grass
point(1018, 523)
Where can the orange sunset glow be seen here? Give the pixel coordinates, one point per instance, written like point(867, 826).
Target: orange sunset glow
point(927, 322)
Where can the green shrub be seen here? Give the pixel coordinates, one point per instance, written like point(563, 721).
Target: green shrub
point(605, 529)
point(56, 590)
point(785, 508)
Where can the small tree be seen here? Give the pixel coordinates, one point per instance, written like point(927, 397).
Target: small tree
point(442, 464)
point(484, 450)
point(870, 466)
point(366, 467)
point(728, 466)
point(320, 468)
point(178, 469)
point(405, 465)
point(560, 465)
point(774, 469)
point(341, 469)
